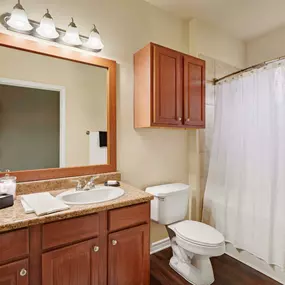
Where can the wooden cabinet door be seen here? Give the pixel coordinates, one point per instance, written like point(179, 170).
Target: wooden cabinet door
point(194, 92)
point(15, 273)
point(128, 257)
point(167, 87)
point(72, 265)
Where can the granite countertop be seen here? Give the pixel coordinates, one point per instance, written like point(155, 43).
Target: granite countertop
point(15, 218)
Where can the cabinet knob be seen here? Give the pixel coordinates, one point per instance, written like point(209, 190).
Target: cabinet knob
point(114, 242)
point(188, 120)
point(23, 272)
point(96, 248)
point(180, 119)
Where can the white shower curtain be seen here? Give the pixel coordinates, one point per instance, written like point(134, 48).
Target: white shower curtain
point(245, 191)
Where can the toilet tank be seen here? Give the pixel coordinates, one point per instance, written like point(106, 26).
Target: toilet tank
point(170, 202)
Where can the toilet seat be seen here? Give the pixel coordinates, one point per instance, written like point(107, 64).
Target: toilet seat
point(199, 234)
point(200, 245)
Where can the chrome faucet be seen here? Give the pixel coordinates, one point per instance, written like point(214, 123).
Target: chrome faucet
point(88, 186)
point(91, 184)
point(78, 186)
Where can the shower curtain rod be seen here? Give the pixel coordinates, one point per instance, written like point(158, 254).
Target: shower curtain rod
point(256, 66)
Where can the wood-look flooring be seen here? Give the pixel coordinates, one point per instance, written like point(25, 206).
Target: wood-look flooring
point(227, 270)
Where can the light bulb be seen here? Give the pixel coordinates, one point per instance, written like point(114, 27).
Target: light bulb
point(19, 19)
point(71, 36)
point(47, 27)
point(94, 41)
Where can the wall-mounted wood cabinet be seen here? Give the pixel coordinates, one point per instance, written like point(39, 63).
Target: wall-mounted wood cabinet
point(169, 89)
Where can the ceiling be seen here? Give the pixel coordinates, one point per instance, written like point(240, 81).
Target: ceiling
point(244, 19)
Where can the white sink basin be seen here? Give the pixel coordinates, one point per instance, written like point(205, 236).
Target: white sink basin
point(96, 195)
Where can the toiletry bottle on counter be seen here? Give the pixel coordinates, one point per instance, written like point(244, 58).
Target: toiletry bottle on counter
point(8, 184)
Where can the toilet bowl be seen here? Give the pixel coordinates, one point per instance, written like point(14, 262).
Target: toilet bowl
point(193, 243)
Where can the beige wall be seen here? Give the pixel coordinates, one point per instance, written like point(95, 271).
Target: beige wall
point(266, 47)
point(85, 88)
point(209, 41)
point(145, 157)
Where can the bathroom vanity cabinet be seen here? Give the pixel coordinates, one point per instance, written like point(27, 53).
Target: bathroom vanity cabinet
point(169, 89)
point(107, 248)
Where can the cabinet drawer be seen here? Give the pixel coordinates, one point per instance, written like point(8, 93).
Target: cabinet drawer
point(128, 217)
point(69, 231)
point(14, 244)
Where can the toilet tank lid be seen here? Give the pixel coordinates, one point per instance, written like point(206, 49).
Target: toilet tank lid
point(167, 189)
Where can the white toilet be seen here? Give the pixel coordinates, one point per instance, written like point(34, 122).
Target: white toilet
point(193, 243)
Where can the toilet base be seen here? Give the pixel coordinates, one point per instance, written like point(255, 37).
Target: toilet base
point(200, 274)
point(192, 260)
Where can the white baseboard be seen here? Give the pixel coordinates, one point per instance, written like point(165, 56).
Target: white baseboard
point(160, 245)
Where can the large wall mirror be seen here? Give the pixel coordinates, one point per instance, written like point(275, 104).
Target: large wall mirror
point(57, 111)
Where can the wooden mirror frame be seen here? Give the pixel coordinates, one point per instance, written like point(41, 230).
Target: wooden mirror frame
point(13, 41)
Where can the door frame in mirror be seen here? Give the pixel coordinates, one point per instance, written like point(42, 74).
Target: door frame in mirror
point(13, 41)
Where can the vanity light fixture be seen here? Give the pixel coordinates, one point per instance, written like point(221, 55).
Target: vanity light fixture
point(19, 20)
point(94, 41)
point(71, 36)
point(47, 29)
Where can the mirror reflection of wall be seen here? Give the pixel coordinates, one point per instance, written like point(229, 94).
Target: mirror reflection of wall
point(58, 118)
point(25, 142)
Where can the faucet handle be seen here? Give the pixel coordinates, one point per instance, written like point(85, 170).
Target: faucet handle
point(89, 185)
point(94, 178)
point(79, 185)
